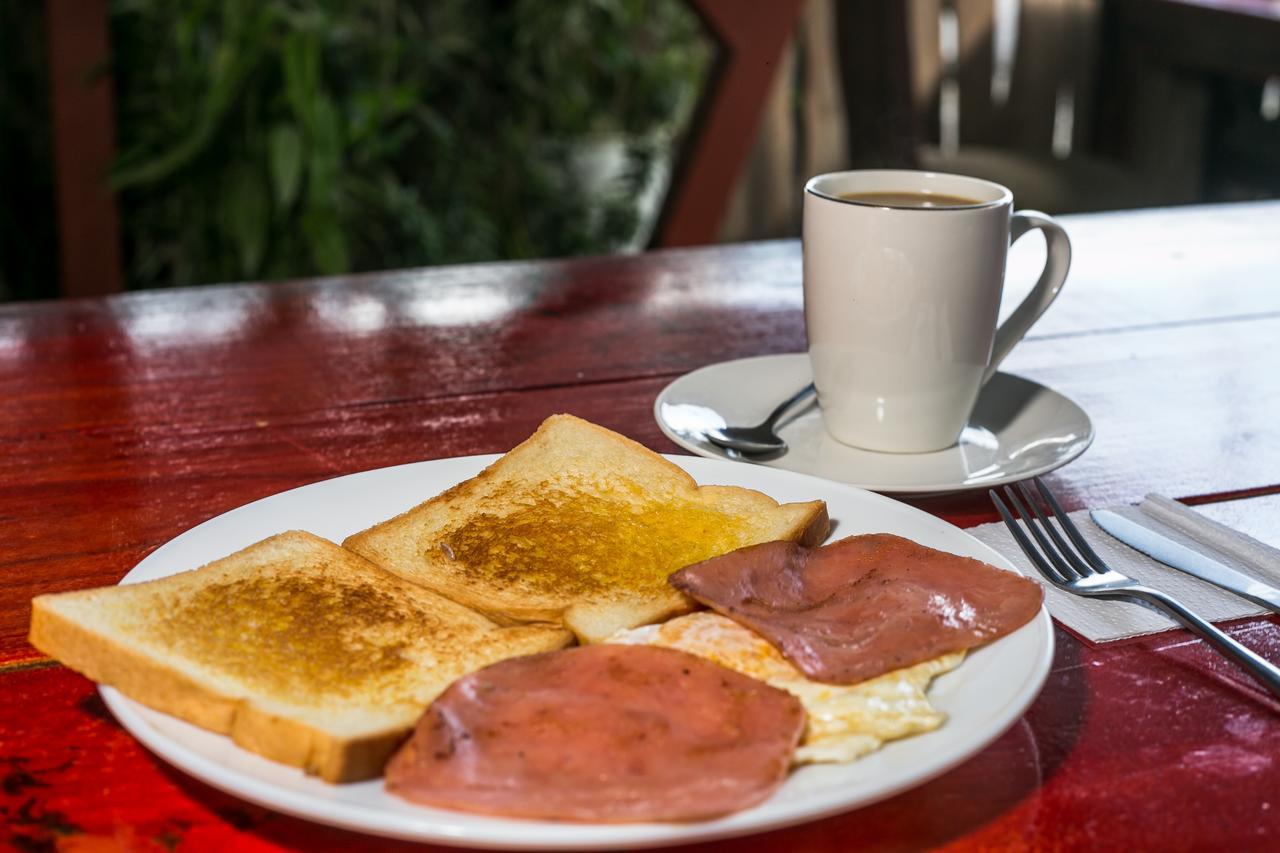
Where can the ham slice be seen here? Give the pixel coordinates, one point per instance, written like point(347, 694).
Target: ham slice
point(864, 605)
point(601, 733)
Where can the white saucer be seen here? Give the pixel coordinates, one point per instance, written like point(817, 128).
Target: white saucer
point(1019, 429)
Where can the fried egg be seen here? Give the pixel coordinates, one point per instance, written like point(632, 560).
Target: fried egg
point(845, 722)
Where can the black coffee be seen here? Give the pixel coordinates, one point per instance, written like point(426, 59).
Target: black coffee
point(910, 199)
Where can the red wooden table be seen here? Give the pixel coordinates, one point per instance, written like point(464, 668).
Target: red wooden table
point(128, 419)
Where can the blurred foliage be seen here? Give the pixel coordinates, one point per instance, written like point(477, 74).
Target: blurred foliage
point(276, 138)
point(28, 235)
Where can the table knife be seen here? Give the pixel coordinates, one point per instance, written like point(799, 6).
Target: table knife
point(1161, 548)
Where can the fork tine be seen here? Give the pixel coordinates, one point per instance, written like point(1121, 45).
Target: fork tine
point(1083, 568)
point(1063, 566)
point(1025, 544)
point(1067, 525)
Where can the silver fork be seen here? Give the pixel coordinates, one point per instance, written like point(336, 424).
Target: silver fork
point(1081, 571)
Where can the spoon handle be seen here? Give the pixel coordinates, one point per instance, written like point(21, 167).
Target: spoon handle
point(785, 405)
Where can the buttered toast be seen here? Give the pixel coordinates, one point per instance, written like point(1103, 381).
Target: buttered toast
point(577, 525)
point(298, 649)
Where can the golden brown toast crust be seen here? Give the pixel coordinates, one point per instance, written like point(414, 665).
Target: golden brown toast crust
point(579, 525)
point(265, 711)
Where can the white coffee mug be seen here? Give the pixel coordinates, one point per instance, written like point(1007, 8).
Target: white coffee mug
point(901, 302)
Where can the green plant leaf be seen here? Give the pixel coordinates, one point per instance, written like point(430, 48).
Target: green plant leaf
point(383, 133)
point(246, 217)
point(233, 63)
point(326, 130)
point(326, 242)
point(284, 148)
point(326, 144)
point(300, 62)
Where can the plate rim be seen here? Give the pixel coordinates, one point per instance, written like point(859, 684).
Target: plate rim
point(879, 488)
point(505, 833)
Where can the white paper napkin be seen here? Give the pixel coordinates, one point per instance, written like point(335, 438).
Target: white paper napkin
point(1102, 620)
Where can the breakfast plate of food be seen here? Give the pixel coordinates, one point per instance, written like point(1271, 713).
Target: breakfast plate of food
point(578, 644)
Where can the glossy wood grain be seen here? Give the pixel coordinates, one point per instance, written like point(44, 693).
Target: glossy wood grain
point(127, 420)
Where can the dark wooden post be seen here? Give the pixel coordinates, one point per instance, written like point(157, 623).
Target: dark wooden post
point(751, 35)
point(83, 143)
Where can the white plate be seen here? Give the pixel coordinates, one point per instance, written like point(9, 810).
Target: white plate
point(983, 697)
point(1019, 429)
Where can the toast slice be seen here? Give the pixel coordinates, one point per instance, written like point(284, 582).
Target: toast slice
point(577, 525)
point(299, 650)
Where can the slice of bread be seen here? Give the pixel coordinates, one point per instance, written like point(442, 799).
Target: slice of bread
point(578, 525)
point(298, 649)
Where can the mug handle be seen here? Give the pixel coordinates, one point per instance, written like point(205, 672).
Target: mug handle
point(1046, 290)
